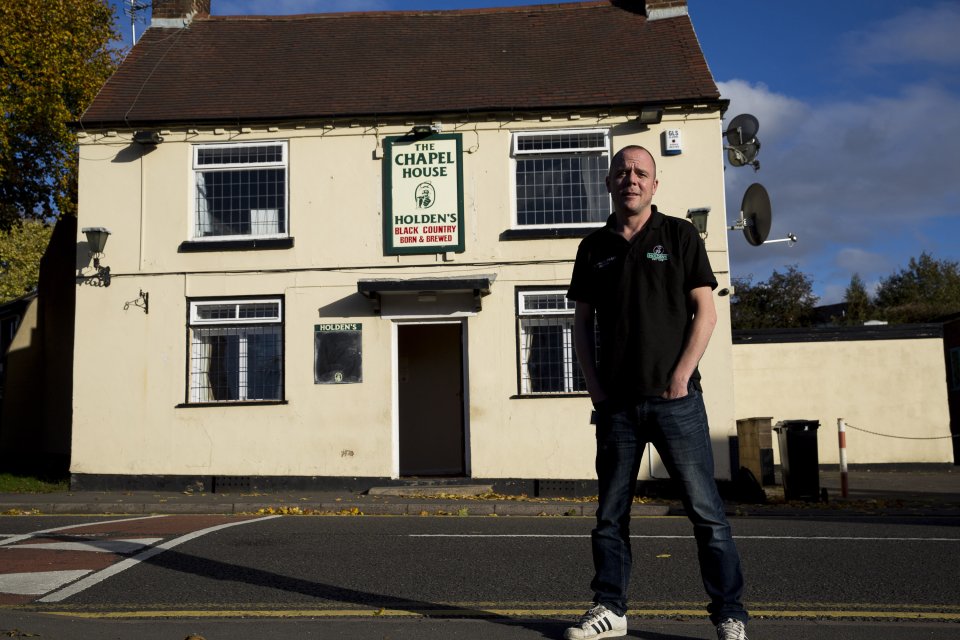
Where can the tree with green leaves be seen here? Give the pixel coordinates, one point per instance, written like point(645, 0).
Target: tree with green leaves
point(21, 248)
point(859, 308)
point(926, 290)
point(784, 300)
point(54, 57)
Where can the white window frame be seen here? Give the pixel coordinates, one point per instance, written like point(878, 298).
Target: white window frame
point(516, 152)
point(196, 392)
point(198, 168)
point(195, 318)
point(569, 351)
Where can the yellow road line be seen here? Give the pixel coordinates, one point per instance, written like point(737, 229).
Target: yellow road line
point(913, 615)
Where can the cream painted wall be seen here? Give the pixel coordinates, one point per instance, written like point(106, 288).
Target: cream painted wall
point(131, 367)
point(892, 387)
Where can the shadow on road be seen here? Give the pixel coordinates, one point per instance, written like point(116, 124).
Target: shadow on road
point(362, 600)
point(226, 572)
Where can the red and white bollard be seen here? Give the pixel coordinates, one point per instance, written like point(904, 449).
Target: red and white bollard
point(842, 435)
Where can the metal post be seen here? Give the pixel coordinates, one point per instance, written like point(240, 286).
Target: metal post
point(842, 434)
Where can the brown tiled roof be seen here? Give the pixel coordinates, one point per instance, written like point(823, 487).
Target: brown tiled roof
point(276, 69)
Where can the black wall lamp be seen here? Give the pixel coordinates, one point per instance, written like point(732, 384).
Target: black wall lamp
point(699, 217)
point(147, 137)
point(96, 241)
point(426, 129)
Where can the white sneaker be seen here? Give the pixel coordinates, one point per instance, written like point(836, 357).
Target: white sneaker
point(597, 622)
point(731, 629)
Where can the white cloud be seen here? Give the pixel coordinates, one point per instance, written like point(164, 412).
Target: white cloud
point(778, 114)
point(854, 260)
point(847, 177)
point(861, 181)
point(920, 34)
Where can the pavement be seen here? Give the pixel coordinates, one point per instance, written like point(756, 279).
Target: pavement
point(927, 490)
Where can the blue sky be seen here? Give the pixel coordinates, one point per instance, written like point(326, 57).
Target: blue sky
point(859, 110)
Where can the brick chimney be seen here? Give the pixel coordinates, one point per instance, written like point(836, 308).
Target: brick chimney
point(176, 14)
point(654, 9)
point(659, 9)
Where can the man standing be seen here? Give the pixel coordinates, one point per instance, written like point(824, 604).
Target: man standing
point(646, 280)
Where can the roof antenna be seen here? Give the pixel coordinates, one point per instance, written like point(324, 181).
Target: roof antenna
point(132, 8)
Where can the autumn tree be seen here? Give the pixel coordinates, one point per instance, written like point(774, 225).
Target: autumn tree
point(21, 247)
point(783, 300)
point(54, 57)
point(927, 289)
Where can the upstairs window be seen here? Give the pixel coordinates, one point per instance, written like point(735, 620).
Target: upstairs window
point(236, 350)
point(560, 177)
point(548, 361)
point(241, 190)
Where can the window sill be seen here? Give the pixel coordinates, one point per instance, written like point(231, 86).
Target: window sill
point(542, 396)
point(198, 246)
point(547, 234)
point(239, 403)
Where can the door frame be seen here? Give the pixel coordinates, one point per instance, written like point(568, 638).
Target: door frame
point(395, 389)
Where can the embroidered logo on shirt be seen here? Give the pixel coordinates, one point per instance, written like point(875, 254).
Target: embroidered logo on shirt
point(657, 255)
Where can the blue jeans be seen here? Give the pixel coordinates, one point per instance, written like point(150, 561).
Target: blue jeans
point(678, 429)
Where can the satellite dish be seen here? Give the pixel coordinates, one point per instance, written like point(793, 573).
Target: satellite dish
point(745, 154)
point(742, 142)
point(742, 129)
point(735, 158)
point(755, 214)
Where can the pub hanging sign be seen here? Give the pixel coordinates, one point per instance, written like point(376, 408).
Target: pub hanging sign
point(423, 194)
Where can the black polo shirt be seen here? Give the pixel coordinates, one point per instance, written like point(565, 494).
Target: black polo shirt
point(639, 289)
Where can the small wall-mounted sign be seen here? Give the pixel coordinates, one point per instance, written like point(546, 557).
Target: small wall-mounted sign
point(423, 194)
point(337, 353)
